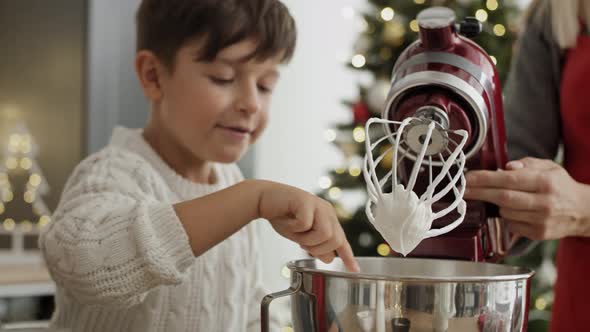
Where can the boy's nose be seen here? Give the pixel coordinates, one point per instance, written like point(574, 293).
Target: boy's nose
point(250, 100)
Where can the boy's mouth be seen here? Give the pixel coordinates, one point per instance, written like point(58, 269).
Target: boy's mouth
point(239, 129)
point(239, 132)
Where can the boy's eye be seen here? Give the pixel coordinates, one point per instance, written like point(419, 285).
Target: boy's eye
point(264, 89)
point(221, 80)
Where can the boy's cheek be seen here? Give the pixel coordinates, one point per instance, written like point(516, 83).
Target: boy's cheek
point(255, 135)
point(260, 128)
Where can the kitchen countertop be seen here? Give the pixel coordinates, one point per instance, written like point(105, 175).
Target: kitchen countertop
point(19, 280)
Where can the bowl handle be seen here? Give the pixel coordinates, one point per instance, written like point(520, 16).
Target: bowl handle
point(296, 283)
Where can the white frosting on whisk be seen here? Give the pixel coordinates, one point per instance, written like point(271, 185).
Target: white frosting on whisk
point(403, 218)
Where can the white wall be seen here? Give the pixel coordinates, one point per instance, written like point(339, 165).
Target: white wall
point(307, 101)
point(114, 96)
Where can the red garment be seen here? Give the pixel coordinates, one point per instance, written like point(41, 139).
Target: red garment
point(571, 310)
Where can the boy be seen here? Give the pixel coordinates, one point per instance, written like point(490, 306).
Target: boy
point(152, 233)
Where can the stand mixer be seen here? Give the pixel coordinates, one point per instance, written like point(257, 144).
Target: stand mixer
point(449, 80)
point(443, 116)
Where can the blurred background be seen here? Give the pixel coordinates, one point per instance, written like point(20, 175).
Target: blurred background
point(67, 79)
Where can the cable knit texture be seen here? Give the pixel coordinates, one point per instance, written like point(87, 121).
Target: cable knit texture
point(121, 258)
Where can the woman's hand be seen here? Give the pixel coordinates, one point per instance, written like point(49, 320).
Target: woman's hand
point(538, 198)
point(307, 220)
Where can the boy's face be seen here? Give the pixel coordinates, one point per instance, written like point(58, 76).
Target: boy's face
point(215, 110)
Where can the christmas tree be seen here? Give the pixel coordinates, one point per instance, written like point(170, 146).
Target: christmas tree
point(22, 186)
point(390, 27)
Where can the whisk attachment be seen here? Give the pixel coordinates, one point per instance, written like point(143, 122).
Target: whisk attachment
point(403, 217)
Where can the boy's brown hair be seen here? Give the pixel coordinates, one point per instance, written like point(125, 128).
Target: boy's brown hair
point(164, 26)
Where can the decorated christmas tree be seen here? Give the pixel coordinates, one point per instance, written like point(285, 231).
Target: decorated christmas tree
point(22, 185)
point(390, 27)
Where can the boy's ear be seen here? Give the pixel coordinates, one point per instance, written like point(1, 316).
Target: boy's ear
point(149, 73)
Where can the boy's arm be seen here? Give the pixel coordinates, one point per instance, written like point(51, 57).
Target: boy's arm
point(295, 214)
point(210, 219)
point(112, 239)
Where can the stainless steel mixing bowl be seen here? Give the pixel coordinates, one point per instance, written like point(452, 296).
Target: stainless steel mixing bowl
point(405, 294)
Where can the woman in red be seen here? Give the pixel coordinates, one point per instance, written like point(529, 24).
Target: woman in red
point(548, 105)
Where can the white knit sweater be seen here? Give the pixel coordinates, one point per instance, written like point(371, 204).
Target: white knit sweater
point(121, 258)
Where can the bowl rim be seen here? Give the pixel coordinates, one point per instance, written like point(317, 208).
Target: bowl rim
point(520, 273)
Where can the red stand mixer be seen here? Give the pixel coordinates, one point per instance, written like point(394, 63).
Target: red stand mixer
point(449, 79)
point(448, 82)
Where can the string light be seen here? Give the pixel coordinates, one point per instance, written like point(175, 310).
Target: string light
point(335, 193)
point(44, 220)
point(340, 170)
point(481, 15)
point(18, 142)
point(2, 208)
point(25, 147)
point(540, 303)
point(387, 160)
point(359, 134)
point(499, 30)
point(383, 249)
point(419, 2)
point(494, 60)
point(330, 135)
point(354, 171)
point(325, 182)
point(9, 224)
point(14, 142)
point(25, 139)
point(414, 26)
point(29, 196)
point(287, 329)
point(26, 163)
point(492, 4)
point(7, 195)
point(387, 14)
point(359, 61)
point(11, 163)
point(35, 180)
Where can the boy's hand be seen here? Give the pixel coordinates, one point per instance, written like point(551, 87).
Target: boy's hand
point(307, 220)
